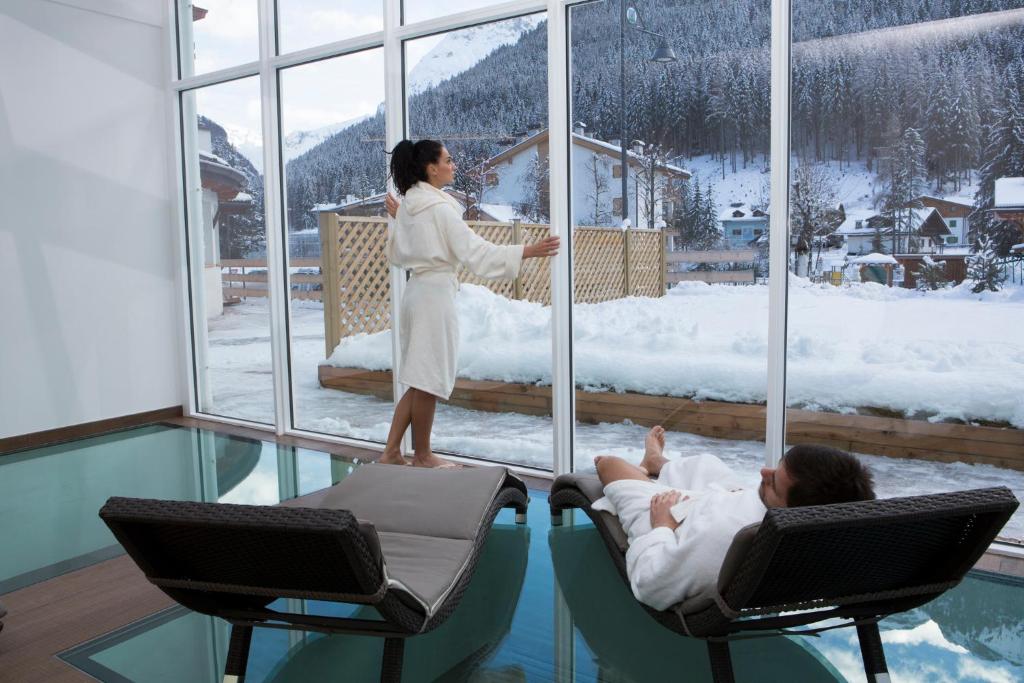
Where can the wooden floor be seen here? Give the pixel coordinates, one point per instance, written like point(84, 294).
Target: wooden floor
point(53, 616)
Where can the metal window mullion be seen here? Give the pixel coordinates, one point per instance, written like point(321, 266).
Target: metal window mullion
point(175, 167)
point(778, 273)
point(277, 251)
point(395, 127)
point(562, 380)
point(336, 49)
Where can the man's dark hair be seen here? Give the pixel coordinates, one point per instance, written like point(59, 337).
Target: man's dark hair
point(823, 475)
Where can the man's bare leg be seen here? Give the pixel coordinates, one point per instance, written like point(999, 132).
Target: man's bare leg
point(399, 423)
point(613, 468)
point(423, 407)
point(654, 448)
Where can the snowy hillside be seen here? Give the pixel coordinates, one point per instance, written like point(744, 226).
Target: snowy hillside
point(301, 141)
point(856, 187)
point(460, 50)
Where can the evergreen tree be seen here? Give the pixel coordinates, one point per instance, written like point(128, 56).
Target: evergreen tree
point(983, 267)
point(1004, 156)
point(904, 183)
point(930, 275)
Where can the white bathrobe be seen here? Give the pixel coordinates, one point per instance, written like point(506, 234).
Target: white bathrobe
point(431, 239)
point(667, 567)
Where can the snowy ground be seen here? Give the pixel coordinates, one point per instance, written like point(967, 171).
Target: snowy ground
point(937, 354)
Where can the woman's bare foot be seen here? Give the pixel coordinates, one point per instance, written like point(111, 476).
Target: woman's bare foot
point(392, 458)
point(654, 446)
point(432, 461)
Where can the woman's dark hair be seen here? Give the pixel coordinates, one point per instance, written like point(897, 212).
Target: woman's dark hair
point(823, 475)
point(409, 162)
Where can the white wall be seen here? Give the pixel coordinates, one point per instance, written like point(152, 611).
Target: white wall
point(88, 297)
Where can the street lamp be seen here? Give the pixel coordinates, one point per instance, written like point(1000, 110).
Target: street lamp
point(662, 55)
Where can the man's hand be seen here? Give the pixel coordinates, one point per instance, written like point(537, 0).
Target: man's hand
point(391, 203)
point(661, 509)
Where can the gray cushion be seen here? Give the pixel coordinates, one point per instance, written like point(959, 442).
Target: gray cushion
point(737, 553)
point(426, 520)
point(424, 565)
point(419, 501)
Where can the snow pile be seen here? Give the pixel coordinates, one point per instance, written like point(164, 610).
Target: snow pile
point(938, 355)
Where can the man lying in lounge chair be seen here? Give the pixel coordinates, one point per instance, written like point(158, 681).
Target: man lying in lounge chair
point(681, 524)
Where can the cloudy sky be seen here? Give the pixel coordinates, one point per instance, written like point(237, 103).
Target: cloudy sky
point(312, 95)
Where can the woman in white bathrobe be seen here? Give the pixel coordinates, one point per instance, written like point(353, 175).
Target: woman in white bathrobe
point(430, 238)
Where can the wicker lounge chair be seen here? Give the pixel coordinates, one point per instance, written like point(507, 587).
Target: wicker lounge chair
point(859, 562)
point(403, 540)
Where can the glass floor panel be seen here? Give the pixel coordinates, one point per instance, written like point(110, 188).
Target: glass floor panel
point(49, 497)
point(544, 605)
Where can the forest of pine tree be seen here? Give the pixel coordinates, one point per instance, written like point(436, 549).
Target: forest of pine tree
point(854, 99)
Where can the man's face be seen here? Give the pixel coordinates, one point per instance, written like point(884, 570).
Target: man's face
point(775, 484)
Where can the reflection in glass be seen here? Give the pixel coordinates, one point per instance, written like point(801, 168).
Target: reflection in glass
point(899, 138)
point(308, 23)
point(669, 153)
point(334, 176)
point(216, 34)
point(223, 155)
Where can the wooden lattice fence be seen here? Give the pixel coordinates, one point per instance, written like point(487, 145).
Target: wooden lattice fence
point(609, 264)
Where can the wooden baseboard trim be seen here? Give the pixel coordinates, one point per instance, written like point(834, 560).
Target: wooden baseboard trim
point(50, 437)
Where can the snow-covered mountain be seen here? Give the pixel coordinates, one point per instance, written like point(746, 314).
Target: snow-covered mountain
point(460, 50)
point(301, 141)
point(250, 144)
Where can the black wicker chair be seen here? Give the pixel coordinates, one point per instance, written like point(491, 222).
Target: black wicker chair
point(859, 562)
point(3, 613)
point(403, 540)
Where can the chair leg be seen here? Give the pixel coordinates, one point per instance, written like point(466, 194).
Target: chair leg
point(872, 653)
point(556, 517)
point(520, 514)
point(238, 654)
point(391, 665)
point(721, 662)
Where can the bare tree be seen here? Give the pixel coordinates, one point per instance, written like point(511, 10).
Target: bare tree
point(652, 180)
point(598, 188)
point(813, 205)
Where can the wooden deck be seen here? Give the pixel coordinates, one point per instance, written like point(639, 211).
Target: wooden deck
point(889, 436)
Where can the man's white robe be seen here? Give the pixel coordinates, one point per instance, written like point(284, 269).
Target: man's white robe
point(430, 238)
point(667, 567)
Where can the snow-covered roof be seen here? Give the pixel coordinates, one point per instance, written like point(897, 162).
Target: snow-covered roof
point(951, 199)
point(875, 259)
point(577, 139)
point(373, 198)
point(242, 197)
point(849, 224)
point(1009, 193)
point(501, 212)
point(1017, 248)
point(743, 212)
point(209, 156)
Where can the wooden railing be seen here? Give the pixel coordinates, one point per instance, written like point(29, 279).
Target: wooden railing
point(718, 256)
point(247, 278)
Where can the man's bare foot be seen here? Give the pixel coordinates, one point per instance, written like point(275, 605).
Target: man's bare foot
point(654, 446)
point(392, 458)
point(432, 461)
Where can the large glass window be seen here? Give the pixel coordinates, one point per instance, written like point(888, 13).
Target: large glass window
point(899, 349)
point(421, 10)
point(332, 132)
point(305, 23)
point(216, 34)
point(482, 92)
point(669, 168)
point(223, 156)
